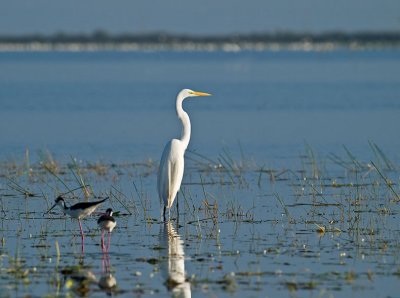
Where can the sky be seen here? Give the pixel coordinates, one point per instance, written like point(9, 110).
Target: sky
point(197, 17)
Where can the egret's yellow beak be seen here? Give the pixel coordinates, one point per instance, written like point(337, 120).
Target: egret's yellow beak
point(200, 93)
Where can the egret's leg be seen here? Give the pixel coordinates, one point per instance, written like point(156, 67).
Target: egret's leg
point(177, 203)
point(165, 207)
point(177, 207)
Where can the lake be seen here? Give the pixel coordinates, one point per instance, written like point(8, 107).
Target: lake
point(290, 188)
point(120, 105)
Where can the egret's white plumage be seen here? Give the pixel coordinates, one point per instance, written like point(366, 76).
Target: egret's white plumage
point(172, 162)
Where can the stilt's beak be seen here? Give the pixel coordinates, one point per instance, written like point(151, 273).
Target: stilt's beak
point(49, 209)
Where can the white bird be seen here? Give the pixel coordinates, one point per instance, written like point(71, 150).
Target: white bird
point(172, 162)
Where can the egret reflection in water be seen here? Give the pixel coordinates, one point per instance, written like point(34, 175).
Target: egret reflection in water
point(173, 268)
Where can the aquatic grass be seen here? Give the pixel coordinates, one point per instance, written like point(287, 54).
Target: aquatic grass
point(228, 168)
point(210, 211)
point(315, 193)
point(358, 198)
point(186, 197)
point(381, 156)
point(234, 212)
point(47, 184)
point(99, 168)
point(48, 162)
point(358, 165)
point(312, 159)
point(54, 174)
point(19, 272)
point(233, 168)
point(388, 183)
point(341, 220)
point(27, 163)
point(202, 162)
point(14, 185)
point(77, 173)
point(274, 175)
point(259, 176)
point(58, 253)
point(2, 207)
point(286, 210)
point(202, 187)
point(349, 166)
point(187, 206)
point(73, 189)
point(225, 163)
point(142, 201)
point(120, 201)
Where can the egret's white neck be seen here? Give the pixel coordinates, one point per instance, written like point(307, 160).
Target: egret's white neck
point(186, 130)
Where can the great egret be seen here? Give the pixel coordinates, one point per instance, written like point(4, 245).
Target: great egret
point(107, 223)
point(172, 162)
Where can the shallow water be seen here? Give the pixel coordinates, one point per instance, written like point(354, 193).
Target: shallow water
point(240, 232)
point(266, 173)
point(120, 106)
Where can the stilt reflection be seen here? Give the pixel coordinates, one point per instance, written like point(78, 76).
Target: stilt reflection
point(107, 281)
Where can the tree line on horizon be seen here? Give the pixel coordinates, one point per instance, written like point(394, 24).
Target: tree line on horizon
point(101, 36)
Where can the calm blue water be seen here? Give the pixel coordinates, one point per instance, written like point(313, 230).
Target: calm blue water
point(117, 106)
point(120, 105)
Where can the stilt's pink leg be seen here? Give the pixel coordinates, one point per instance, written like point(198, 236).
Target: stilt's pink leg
point(80, 226)
point(102, 241)
point(109, 240)
point(108, 265)
point(83, 237)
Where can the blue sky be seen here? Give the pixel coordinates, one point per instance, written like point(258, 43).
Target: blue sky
point(197, 17)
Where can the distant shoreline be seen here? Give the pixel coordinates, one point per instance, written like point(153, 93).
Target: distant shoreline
point(101, 40)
